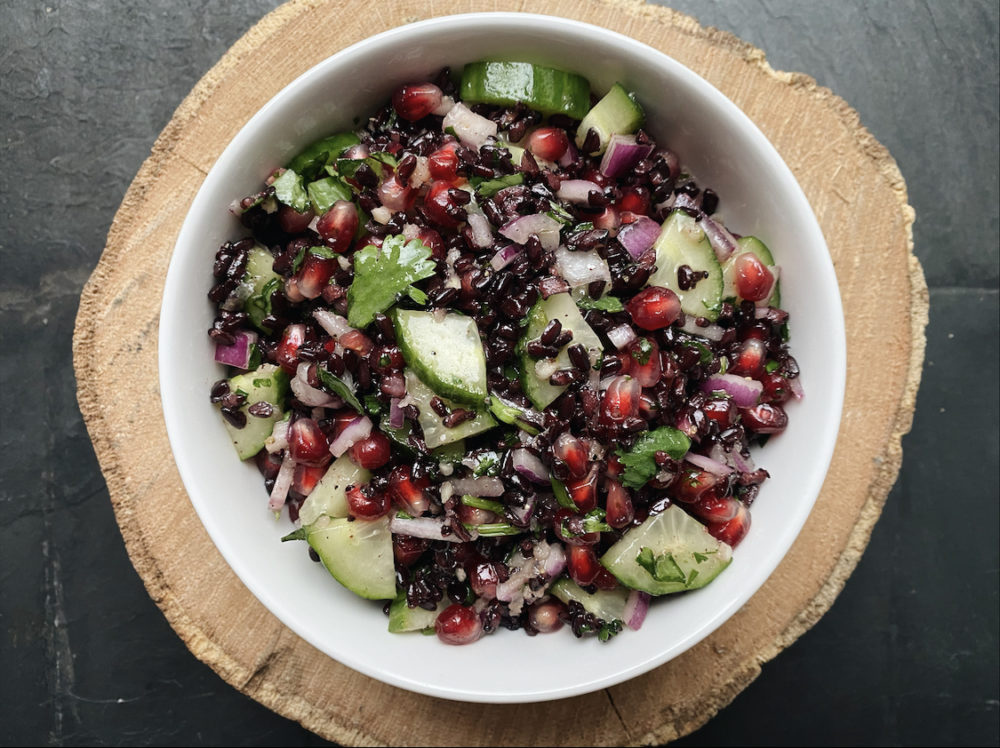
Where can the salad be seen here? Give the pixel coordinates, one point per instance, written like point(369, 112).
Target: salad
point(500, 360)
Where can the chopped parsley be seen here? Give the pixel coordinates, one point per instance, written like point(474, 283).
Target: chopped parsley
point(383, 275)
point(603, 304)
point(640, 460)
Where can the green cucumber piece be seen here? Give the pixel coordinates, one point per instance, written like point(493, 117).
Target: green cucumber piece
point(683, 242)
point(512, 414)
point(679, 547)
point(608, 605)
point(445, 352)
point(329, 497)
point(548, 90)
point(269, 384)
point(357, 553)
point(262, 281)
point(559, 306)
point(615, 114)
point(403, 618)
point(435, 432)
point(756, 247)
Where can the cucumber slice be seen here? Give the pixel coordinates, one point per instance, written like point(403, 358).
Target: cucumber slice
point(548, 90)
point(608, 605)
point(269, 384)
point(358, 554)
point(756, 247)
point(559, 306)
point(683, 242)
point(262, 281)
point(435, 432)
point(513, 414)
point(403, 618)
point(683, 554)
point(616, 114)
point(445, 352)
point(329, 497)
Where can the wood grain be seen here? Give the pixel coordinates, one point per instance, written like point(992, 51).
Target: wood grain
point(860, 200)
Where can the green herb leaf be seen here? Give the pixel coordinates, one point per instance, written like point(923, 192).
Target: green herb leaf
point(662, 567)
point(289, 190)
point(311, 161)
point(490, 187)
point(609, 629)
point(340, 388)
point(323, 193)
point(640, 460)
point(491, 506)
point(562, 495)
point(642, 350)
point(603, 304)
point(383, 275)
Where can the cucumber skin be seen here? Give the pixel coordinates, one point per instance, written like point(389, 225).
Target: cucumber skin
point(678, 244)
point(548, 90)
point(259, 273)
point(250, 439)
point(608, 605)
point(357, 554)
point(329, 497)
point(617, 113)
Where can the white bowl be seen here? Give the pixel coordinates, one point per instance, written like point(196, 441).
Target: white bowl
point(720, 146)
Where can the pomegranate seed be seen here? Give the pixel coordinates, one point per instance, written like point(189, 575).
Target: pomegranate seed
point(293, 222)
point(314, 275)
point(268, 464)
point(716, 509)
point(749, 361)
point(458, 624)
point(618, 506)
point(371, 452)
point(438, 204)
point(733, 531)
point(416, 100)
point(721, 410)
point(364, 503)
point(396, 196)
point(621, 399)
point(615, 467)
point(605, 580)
point(338, 225)
point(753, 279)
point(307, 443)
point(287, 355)
point(654, 308)
point(583, 491)
point(634, 200)
point(607, 219)
point(356, 341)
point(484, 578)
point(305, 478)
point(582, 564)
point(342, 419)
point(443, 163)
point(408, 492)
point(546, 617)
point(691, 483)
point(433, 241)
point(573, 452)
point(776, 388)
point(549, 143)
point(646, 374)
point(765, 418)
point(471, 515)
point(406, 549)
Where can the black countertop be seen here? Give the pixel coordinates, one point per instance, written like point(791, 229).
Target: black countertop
point(907, 655)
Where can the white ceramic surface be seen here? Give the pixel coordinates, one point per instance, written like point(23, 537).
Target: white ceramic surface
point(716, 142)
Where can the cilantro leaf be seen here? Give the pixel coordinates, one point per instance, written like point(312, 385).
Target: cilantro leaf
point(289, 190)
point(662, 567)
point(340, 388)
point(490, 187)
point(311, 161)
point(383, 275)
point(603, 304)
point(640, 460)
point(323, 193)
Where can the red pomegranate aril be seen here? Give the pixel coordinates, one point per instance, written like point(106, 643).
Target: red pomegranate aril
point(338, 225)
point(583, 491)
point(546, 617)
point(582, 564)
point(287, 355)
point(720, 410)
point(716, 509)
point(691, 483)
point(364, 503)
point(733, 531)
point(753, 279)
point(408, 492)
point(395, 196)
point(607, 219)
point(605, 580)
point(458, 624)
point(646, 374)
point(268, 464)
point(549, 143)
point(573, 452)
point(433, 241)
point(406, 549)
point(307, 443)
point(293, 222)
point(776, 388)
point(483, 578)
point(654, 308)
point(314, 275)
point(618, 506)
point(634, 200)
point(443, 163)
point(749, 361)
point(372, 452)
point(415, 101)
point(438, 204)
point(305, 478)
point(342, 419)
point(765, 418)
point(621, 399)
point(472, 515)
point(356, 341)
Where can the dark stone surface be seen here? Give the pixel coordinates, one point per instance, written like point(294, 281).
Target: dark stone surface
point(907, 655)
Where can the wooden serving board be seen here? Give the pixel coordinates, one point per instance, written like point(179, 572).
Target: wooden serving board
point(860, 199)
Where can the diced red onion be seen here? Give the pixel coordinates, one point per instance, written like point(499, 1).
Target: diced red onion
point(637, 237)
point(569, 156)
point(354, 432)
point(444, 107)
point(282, 482)
point(795, 387)
point(309, 395)
point(684, 200)
point(744, 392)
point(396, 414)
point(484, 487)
point(708, 464)
point(555, 561)
point(711, 332)
point(522, 514)
point(636, 607)
point(504, 256)
point(621, 336)
point(622, 154)
point(482, 233)
point(550, 286)
point(334, 324)
point(278, 440)
point(548, 560)
point(544, 227)
point(529, 465)
point(237, 354)
point(741, 463)
point(470, 128)
point(393, 384)
point(581, 268)
point(422, 527)
point(719, 237)
point(577, 191)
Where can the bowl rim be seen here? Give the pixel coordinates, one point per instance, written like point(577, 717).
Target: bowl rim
point(168, 331)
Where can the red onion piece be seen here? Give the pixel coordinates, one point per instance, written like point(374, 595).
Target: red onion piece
point(278, 440)
point(504, 256)
point(741, 463)
point(544, 227)
point(282, 482)
point(581, 268)
point(708, 464)
point(483, 487)
point(422, 527)
point(622, 154)
point(684, 200)
point(577, 191)
point(393, 384)
point(237, 354)
point(555, 561)
point(569, 156)
point(396, 414)
point(550, 286)
point(529, 465)
point(636, 607)
point(795, 387)
point(470, 128)
point(622, 336)
point(309, 395)
point(744, 392)
point(482, 232)
point(334, 324)
point(521, 515)
point(637, 237)
point(719, 237)
point(354, 432)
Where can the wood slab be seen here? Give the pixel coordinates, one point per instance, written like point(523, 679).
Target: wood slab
point(860, 199)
